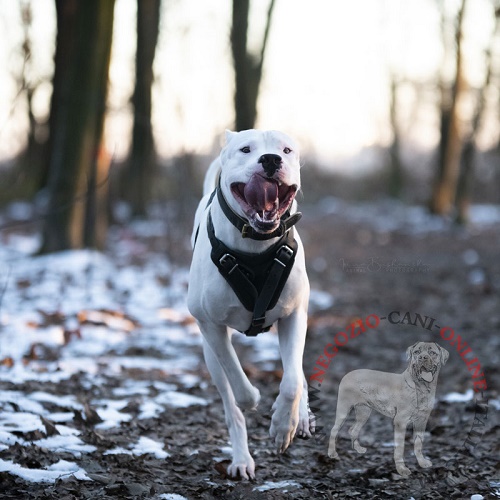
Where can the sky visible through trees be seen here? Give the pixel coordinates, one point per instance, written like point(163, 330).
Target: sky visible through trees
point(326, 76)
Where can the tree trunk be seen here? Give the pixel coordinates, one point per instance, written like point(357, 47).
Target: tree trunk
point(247, 66)
point(395, 167)
point(30, 162)
point(83, 49)
point(142, 161)
point(469, 150)
point(450, 149)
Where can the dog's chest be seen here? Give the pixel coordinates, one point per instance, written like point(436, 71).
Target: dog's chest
point(220, 305)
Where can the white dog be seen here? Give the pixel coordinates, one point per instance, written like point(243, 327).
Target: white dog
point(248, 273)
point(406, 398)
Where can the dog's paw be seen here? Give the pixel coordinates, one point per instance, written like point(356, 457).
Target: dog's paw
point(360, 449)
point(282, 431)
point(307, 425)
point(424, 463)
point(332, 453)
point(250, 400)
point(283, 437)
point(307, 421)
point(244, 469)
point(285, 421)
point(403, 470)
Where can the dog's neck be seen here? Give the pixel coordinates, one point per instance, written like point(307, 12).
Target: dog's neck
point(244, 227)
point(231, 235)
point(421, 385)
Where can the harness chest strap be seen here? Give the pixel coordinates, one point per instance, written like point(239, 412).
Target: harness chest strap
point(256, 279)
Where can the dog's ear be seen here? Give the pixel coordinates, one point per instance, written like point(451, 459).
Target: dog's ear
point(409, 351)
point(444, 354)
point(229, 135)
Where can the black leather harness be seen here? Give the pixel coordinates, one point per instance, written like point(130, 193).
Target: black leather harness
point(256, 279)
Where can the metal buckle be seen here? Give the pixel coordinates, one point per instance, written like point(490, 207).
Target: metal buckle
point(258, 321)
point(224, 261)
point(287, 250)
point(289, 254)
point(245, 230)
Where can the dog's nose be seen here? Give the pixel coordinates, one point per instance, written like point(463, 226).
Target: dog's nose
point(270, 163)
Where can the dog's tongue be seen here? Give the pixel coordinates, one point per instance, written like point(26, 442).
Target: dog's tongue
point(261, 193)
point(427, 376)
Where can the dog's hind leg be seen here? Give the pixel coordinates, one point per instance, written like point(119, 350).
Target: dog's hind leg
point(362, 413)
point(219, 340)
point(340, 418)
point(242, 463)
point(344, 407)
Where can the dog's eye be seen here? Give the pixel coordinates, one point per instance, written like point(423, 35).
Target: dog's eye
point(245, 150)
point(287, 151)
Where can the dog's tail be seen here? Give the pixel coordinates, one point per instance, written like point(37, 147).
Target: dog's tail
point(211, 177)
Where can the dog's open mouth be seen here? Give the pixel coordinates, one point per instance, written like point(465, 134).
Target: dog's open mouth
point(427, 373)
point(264, 201)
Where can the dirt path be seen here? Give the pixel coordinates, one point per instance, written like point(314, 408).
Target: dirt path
point(124, 405)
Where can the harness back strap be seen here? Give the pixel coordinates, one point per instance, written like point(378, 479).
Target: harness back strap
point(256, 279)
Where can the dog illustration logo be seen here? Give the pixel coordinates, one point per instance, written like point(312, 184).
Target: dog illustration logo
point(406, 398)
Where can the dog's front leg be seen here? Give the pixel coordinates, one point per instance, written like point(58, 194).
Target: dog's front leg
point(418, 438)
point(242, 463)
point(292, 334)
point(400, 423)
point(219, 340)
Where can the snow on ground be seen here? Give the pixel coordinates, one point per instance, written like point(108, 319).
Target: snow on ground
point(50, 475)
point(82, 312)
point(104, 318)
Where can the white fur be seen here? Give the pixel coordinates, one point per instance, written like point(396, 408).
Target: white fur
point(217, 309)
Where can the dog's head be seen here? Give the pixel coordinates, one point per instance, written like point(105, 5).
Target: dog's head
point(260, 175)
point(426, 358)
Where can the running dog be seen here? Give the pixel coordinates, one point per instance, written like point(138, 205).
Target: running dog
point(248, 273)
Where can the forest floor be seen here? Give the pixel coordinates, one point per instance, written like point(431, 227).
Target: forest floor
point(104, 392)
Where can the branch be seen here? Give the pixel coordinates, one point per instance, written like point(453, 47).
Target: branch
point(266, 37)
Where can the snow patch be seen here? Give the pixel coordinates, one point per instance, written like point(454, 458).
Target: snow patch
point(145, 446)
point(50, 475)
point(457, 397)
point(275, 485)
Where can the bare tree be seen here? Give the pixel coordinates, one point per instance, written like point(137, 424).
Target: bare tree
point(450, 148)
point(247, 66)
point(395, 164)
point(142, 161)
point(83, 48)
point(469, 149)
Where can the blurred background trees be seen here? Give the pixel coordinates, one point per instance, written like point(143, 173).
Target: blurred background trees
point(248, 66)
point(452, 185)
point(83, 49)
point(142, 162)
point(65, 164)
